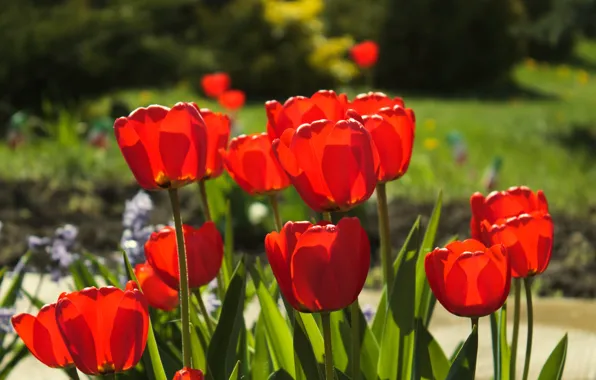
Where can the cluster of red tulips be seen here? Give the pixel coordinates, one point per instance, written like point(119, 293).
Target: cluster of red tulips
point(335, 152)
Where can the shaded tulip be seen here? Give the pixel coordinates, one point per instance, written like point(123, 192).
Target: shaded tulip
point(42, 337)
point(251, 163)
point(365, 54)
point(232, 100)
point(468, 278)
point(319, 267)
point(501, 205)
point(158, 294)
point(215, 84)
point(188, 374)
point(164, 148)
point(528, 239)
point(218, 133)
point(331, 164)
point(204, 254)
point(104, 329)
point(297, 110)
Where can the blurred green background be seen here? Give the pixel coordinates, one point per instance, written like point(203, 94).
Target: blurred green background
point(504, 93)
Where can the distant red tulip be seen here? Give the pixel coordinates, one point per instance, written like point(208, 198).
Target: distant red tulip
point(297, 110)
point(331, 164)
point(468, 278)
point(164, 148)
point(528, 239)
point(251, 163)
point(215, 84)
point(218, 134)
point(188, 374)
point(501, 205)
point(365, 54)
point(370, 103)
point(104, 329)
point(232, 100)
point(42, 337)
point(158, 294)
point(319, 267)
point(204, 254)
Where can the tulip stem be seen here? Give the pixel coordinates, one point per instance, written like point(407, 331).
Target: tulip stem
point(514, 338)
point(327, 216)
point(474, 359)
point(384, 235)
point(329, 370)
point(203, 309)
point(528, 287)
point(355, 319)
point(275, 208)
point(184, 294)
point(110, 376)
point(72, 373)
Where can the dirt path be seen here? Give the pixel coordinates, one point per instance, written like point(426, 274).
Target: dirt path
point(554, 317)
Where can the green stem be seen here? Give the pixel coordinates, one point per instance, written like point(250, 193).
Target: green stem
point(203, 309)
point(110, 376)
point(184, 294)
point(72, 373)
point(297, 363)
point(275, 208)
point(474, 358)
point(516, 312)
point(204, 202)
point(327, 216)
point(326, 320)
point(528, 287)
point(494, 332)
point(355, 319)
point(384, 235)
point(36, 292)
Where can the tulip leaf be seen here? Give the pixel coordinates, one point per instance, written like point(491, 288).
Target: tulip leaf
point(235, 371)
point(464, 365)
point(411, 243)
point(261, 361)
point(555, 364)
point(307, 366)
point(17, 354)
point(15, 286)
point(227, 265)
point(2, 273)
point(369, 349)
point(425, 299)
point(197, 349)
point(153, 360)
point(341, 339)
point(103, 270)
point(280, 374)
point(396, 353)
point(223, 347)
point(431, 362)
point(33, 299)
point(278, 332)
point(504, 351)
point(81, 275)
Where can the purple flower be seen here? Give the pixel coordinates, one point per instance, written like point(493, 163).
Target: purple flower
point(60, 249)
point(137, 230)
point(212, 303)
point(369, 312)
point(5, 316)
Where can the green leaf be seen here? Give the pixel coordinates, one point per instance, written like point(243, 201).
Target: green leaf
point(261, 366)
point(198, 351)
point(152, 359)
point(341, 339)
point(555, 364)
point(81, 275)
point(278, 332)
point(223, 354)
point(106, 273)
point(235, 371)
point(431, 362)
point(464, 365)
point(15, 286)
point(396, 352)
point(34, 300)
point(307, 359)
point(16, 356)
point(504, 351)
point(369, 349)
point(2, 273)
point(410, 244)
point(227, 266)
point(280, 374)
point(425, 299)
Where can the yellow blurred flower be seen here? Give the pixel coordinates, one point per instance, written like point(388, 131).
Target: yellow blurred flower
point(145, 96)
point(430, 124)
point(583, 77)
point(563, 71)
point(431, 143)
point(281, 12)
point(530, 64)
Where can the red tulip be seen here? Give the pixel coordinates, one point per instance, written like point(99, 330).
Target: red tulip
point(232, 100)
point(297, 110)
point(251, 163)
point(215, 84)
point(204, 254)
point(42, 337)
point(528, 239)
point(469, 279)
point(158, 294)
point(370, 103)
point(365, 54)
point(319, 267)
point(104, 329)
point(164, 148)
point(188, 374)
point(501, 205)
point(218, 133)
point(331, 164)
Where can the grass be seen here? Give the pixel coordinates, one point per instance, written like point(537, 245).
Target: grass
point(545, 135)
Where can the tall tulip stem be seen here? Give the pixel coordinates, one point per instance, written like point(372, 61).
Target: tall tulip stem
point(355, 319)
point(72, 373)
point(109, 376)
point(514, 338)
point(184, 294)
point(384, 233)
point(528, 287)
point(275, 208)
point(474, 359)
point(329, 370)
point(203, 309)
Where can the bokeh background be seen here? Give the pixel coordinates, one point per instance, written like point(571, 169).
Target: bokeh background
point(504, 93)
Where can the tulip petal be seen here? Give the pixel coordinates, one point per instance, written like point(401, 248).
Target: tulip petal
point(161, 253)
point(218, 134)
point(327, 101)
point(205, 254)
point(129, 333)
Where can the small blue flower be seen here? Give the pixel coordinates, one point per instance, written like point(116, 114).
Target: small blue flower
point(137, 230)
point(369, 312)
point(212, 303)
point(59, 247)
point(5, 316)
